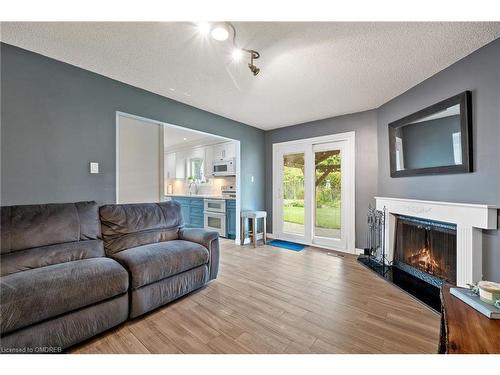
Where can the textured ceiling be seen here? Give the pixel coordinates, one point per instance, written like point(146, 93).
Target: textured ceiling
point(309, 71)
point(177, 137)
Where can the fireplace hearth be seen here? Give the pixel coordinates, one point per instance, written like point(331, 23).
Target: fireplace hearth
point(424, 256)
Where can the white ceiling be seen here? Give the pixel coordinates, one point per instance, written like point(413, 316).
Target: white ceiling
point(177, 138)
point(309, 70)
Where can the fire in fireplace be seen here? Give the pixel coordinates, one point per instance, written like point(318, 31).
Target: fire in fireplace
point(424, 260)
point(426, 249)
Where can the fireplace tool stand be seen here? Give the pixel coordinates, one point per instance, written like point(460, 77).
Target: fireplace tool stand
point(375, 256)
point(375, 259)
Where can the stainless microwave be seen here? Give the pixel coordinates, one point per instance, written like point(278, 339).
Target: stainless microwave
point(225, 167)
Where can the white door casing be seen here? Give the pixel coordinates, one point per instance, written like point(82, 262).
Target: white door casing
point(346, 143)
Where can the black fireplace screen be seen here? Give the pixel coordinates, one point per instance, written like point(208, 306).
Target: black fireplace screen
point(428, 246)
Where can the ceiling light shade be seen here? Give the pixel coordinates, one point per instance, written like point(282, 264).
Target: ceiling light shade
point(203, 27)
point(237, 54)
point(220, 32)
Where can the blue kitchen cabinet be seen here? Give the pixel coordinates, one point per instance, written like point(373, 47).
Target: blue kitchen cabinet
point(196, 213)
point(191, 210)
point(231, 218)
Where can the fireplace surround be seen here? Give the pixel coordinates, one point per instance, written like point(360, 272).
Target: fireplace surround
point(469, 220)
point(426, 243)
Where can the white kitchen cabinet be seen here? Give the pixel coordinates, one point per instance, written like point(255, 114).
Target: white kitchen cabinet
point(170, 166)
point(230, 150)
point(180, 164)
point(209, 158)
point(222, 151)
point(198, 152)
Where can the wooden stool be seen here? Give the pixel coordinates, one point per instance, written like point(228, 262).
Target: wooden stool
point(253, 234)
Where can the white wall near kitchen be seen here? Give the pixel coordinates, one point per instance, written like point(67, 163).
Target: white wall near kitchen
point(139, 160)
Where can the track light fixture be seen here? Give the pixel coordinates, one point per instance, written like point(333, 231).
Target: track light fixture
point(220, 31)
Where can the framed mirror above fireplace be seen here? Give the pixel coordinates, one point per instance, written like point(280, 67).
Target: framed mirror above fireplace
point(434, 140)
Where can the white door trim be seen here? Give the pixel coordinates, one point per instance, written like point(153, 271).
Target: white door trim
point(348, 178)
point(286, 149)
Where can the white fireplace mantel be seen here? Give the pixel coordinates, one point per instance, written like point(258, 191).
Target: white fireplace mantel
point(470, 219)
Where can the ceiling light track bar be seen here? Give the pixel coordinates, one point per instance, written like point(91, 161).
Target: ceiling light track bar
point(218, 33)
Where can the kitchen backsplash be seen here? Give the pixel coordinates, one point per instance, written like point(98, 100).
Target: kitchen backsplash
point(211, 187)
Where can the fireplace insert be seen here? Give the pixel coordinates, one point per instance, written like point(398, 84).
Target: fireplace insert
point(426, 249)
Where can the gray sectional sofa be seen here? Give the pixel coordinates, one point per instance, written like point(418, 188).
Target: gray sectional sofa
point(71, 271)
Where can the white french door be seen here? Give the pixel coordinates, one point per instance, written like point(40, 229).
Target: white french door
point(313, 191)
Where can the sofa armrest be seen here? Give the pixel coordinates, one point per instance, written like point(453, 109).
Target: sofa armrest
point(210, 240)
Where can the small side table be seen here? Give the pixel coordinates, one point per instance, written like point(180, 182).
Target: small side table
point(253, 234)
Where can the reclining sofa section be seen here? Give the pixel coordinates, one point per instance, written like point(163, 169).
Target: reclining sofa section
point(164, 260)
point(58, 287)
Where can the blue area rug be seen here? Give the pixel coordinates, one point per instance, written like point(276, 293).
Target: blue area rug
point(287, 245)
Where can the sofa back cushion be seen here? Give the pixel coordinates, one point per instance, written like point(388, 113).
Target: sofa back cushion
point(125, 226)
point(39, 235)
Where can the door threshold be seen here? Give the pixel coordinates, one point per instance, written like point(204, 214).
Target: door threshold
point(319, 246)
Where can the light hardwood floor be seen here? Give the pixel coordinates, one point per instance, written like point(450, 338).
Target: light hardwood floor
point(271, 300)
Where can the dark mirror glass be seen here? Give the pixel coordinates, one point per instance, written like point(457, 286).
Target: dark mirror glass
point(434, 140)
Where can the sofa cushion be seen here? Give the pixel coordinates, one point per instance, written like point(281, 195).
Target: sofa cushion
point(25, 260)
point(32, 296)
point(164, 291)
point(153, 262)
point(29, 226)
point(67, 329)
point(125, 226)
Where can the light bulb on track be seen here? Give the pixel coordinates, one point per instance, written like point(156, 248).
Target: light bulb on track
point(237, 54)
point(220, 32)
point(203, 28)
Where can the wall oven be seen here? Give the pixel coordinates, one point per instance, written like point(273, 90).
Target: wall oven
point(224, 168)
point(215, 216)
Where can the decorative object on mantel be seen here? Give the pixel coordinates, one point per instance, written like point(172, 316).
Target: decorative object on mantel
point(471, 298)
point(489, 292)
point(465, 330)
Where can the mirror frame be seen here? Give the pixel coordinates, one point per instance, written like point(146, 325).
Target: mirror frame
point(464, 99)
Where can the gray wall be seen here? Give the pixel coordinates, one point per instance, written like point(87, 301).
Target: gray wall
point(364, 124)
point(480, 73)
point(56, 118)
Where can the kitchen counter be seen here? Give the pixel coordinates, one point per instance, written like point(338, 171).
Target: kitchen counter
point(197, 196)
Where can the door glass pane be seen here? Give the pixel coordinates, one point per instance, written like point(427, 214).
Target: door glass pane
point(293, 193)
point(328, 193)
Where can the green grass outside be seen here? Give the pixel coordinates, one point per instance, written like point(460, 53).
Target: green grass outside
point(326, 217)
